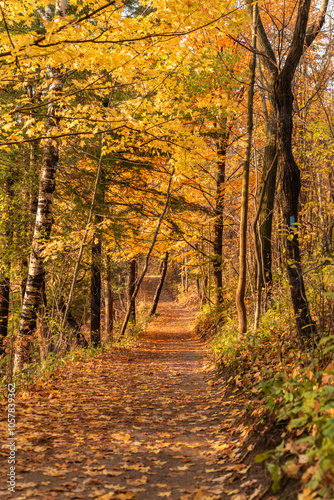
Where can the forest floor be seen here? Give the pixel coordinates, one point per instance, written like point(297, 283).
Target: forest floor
point(144, 422)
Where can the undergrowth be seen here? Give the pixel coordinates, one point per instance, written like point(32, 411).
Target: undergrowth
point(296, 388)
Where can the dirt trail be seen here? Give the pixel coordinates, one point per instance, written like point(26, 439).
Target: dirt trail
point(142, 423)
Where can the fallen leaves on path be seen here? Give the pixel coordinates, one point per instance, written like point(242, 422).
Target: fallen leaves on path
point(157, 427)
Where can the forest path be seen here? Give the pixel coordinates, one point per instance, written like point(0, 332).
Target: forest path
point(143, 422)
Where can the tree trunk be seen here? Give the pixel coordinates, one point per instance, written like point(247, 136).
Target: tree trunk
point(35, 286)
point(43, 224)
point(267, 208)
point(4, 307)
point(5, 263)
point(109, 310)
point(240, 295)
point(161, 284)
point(131, 289)
point(96, 270)
point(95, 289)
point(291, 188)
point(219, 222)
point(81, 248)
point(32, 193)
point(303, 36)
point(257, 245)
point(42, 329)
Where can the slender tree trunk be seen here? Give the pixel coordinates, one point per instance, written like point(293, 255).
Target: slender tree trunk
point(198, 286)
point(131, 289)
point(5, 263)
point(186, 276)
point(182, 277)
point(219, 222)
point(95, 289)
point(291, 188)
point(161, 284)
point(258, 243)
point(35, 281)
point(42, 329)
point(4, 307)
point(108, 305)
point(83, 242)
point(240, 295)
point(270, 162)
point(31, 182)
point(96, 269)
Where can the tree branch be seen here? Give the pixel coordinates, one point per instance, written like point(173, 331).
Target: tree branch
point(316, 26)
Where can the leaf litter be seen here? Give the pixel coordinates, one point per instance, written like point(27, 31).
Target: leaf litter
point(155, 427)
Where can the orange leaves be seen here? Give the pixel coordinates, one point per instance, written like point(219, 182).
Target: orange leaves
point(121, 437)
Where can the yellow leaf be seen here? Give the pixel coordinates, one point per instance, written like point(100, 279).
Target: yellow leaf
point(308, 494)
point(291, 469)
point(203, 495)
point(115, 473)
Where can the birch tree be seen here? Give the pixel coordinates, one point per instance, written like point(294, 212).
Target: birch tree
point(35, 285)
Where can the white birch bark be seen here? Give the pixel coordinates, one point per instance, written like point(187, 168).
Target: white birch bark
point(36, 274)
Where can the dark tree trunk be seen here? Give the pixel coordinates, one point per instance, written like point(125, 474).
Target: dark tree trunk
point(303, 36)
point(291, 188)
point(96, 270)
point(95, 319)
point(5, 264)
point(219, 221)
point(131, 289)
point(267, 207)
point(161, 284)
point(4, 310)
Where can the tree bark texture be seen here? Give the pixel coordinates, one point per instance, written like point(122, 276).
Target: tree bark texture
point(219, 216)
point(291, 185)
point(270, 161)
point(35, 281)
point(160, 285)
point(257, 244)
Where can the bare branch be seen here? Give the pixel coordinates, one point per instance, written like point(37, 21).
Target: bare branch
point(316, 26)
